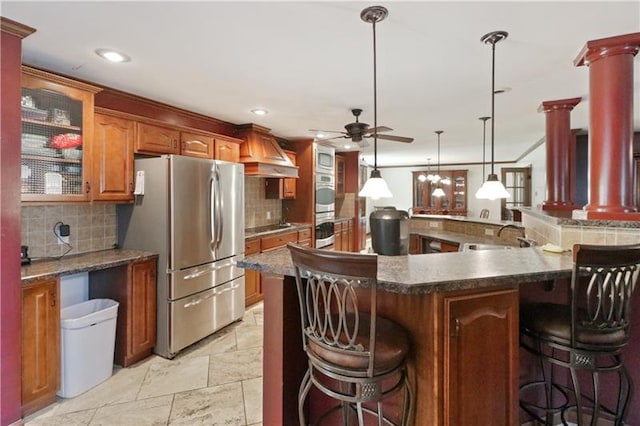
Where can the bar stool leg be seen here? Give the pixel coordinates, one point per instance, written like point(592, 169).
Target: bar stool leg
point(305, 385)
point(578, 395)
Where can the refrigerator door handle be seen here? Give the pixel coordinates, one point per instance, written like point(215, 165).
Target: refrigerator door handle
point(209, 270)
point(218, 210)
point(194, 302)
point(228, 288)
point(212, 213)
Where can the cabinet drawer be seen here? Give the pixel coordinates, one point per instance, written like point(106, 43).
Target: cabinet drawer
point(278, 241)
point(304, 234)
point(251, 247)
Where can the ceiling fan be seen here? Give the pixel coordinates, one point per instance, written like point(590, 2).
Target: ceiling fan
point(358, 130)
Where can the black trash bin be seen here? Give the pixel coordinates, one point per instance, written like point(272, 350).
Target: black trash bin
point(389, 231)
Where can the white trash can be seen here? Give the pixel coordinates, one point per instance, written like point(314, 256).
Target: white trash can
point(88, 335)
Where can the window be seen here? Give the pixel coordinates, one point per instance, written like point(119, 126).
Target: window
point(517, 181)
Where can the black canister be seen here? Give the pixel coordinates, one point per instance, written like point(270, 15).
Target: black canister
point(389, 231)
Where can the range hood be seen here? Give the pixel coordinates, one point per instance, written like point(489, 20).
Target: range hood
point(261, 154)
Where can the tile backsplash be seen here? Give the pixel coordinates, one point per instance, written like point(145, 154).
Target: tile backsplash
point(259, 211)
point(93, 227)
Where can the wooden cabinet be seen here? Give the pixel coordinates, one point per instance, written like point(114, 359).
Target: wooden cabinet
point(154, 139)
point(112, 158)
point(278, 241)
point(133, 286)
point(481, 358)
point(344, 235)
point(282, 188)
point(454, 201)
point(337, 233)
point(196, 145)
point(56, 139)
point(415, 244)
point(227, 148)
point(304, 237)
point(40, 344)
point(340, 176)
point(252, 281)
point(362, 228)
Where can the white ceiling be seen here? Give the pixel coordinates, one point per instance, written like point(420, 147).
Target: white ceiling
point(309, 63)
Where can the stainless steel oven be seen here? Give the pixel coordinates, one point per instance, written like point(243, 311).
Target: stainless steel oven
point(324, 229)
point(325, 193)
point(325, 159)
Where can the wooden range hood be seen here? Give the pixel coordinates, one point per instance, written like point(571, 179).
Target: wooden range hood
point(261, 154)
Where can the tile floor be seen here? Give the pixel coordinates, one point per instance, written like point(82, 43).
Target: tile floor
point(217, 381)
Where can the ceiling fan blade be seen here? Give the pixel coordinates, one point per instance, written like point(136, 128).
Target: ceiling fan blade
point(327, 131)
point(335, 137)
point(395, 138)
point(379, 129)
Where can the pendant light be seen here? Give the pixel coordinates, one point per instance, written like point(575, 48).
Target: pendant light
point(479, 194)
point(422, 177)
point(492, 188)
point(438, 192)
point(375, 187)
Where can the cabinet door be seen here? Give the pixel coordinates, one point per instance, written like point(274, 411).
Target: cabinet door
point(156, 139)
point(481, 353)
point(350, 237)
point(57, 129)
point(337, 233)
point(112, 154)
point(252, 281)
point(415, 244)
point(40, 345)
point(227, 149)
point(195, 145)
point(459, 187)
point(141, 310)
point(339, 176)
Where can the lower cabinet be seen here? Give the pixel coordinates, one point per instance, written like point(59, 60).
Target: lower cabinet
point(133, 286)
point(481, 358)
point(40, 344)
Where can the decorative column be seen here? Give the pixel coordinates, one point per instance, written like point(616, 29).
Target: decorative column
point(560, 169)
point(610, 62)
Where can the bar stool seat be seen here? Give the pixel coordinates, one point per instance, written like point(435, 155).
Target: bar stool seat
point(392, 345)
point(355, 357)
point(585, 337)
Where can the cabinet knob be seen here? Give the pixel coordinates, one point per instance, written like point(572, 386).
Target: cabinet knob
point(456, 328)
point(53, 298)
point(88, 185)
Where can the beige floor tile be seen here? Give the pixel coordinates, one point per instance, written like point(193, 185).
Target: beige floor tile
point(175, 376)
point(218, 405)
point(222, 341)
point(146, 412)
point(79, 418)
point(252, 391)
point(123, 386)
point(234, 366)
point(250, 337)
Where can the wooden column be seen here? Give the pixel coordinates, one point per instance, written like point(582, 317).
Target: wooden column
point(11, 36)
point(610, 62)
point(560, 169)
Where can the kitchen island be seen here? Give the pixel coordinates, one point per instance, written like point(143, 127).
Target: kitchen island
point(461, 310)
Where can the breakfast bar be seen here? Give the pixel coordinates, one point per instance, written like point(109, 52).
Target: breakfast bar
point(461, 310)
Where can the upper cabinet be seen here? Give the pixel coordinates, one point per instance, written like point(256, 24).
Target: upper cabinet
point(340, 173)
point(196, 145)
point(153, 139)
point(112, 157)
point(454, 201)
point(261, 154)
point(227, 148)
point(57, 128)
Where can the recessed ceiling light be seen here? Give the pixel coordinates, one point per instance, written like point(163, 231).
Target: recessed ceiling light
point(347, 146)
point(112, 55)
point(260, 111)
point(320, 135)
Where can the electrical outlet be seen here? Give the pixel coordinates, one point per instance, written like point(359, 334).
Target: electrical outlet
point(268, 215)
point(488, 231)
point(434, 224)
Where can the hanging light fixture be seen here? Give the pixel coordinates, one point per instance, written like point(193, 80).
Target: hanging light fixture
point(375, 187)
point(438, 192)
point(479, 193)
point(492, 188)
point(430, 176)
point(422, 177)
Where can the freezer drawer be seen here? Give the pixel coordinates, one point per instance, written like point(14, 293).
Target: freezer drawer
point(193, 280)
point(195, 317)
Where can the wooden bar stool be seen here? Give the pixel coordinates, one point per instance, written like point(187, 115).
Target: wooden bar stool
point(355, 357)
point(586, 335)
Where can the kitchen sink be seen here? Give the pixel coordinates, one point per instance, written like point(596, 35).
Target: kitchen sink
point(475, 246)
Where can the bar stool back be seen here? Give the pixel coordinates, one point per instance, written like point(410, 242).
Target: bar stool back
point(587, 335)
point(355, 356)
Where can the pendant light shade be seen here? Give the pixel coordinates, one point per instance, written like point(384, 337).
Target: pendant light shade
point(492, 188)
point(438, 192)
point(375, 187)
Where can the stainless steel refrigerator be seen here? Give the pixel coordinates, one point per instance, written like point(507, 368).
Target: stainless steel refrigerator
point(192, 215)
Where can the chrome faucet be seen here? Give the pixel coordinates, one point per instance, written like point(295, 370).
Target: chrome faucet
point(523, 240)
point(509, 225)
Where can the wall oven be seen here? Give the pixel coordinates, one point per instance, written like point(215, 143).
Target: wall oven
point(324, 229)
point(325, 159)
point(325, 193)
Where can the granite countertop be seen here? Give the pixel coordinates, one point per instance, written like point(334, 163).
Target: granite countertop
point(462, 239)
point(85, 262)
point(564, 218)
point(274, 229)
point(494, 222)
point(428, 273)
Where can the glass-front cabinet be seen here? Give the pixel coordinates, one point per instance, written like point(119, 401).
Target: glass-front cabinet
point(454, 185)
point(57, 124)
